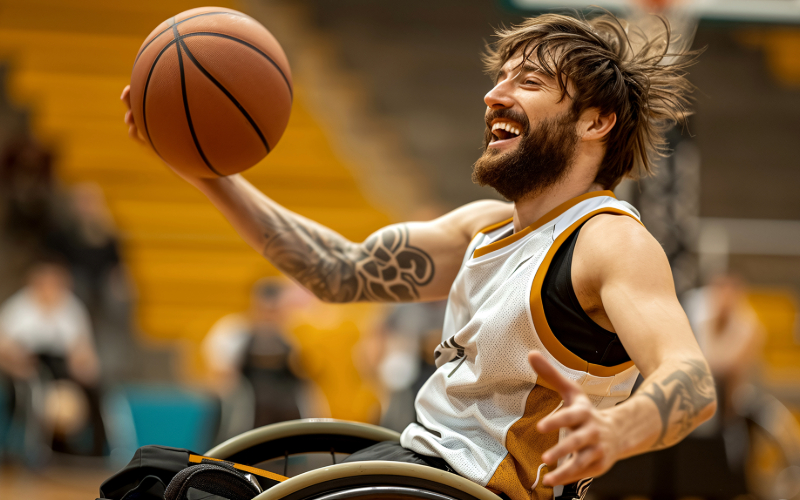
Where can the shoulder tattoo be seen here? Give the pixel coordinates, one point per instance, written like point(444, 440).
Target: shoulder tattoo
point(392, 269)
point(385, 268)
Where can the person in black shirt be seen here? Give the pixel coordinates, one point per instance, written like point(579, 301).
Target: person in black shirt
point(249, 359)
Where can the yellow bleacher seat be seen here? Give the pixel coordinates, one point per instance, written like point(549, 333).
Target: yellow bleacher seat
point(69, 62)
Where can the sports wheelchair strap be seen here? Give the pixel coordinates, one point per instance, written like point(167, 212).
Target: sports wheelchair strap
point(196, 459)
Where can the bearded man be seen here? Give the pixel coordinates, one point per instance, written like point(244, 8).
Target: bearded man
point(557, 300)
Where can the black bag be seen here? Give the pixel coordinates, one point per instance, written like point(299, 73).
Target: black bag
point(211, 481)
point(160, 473)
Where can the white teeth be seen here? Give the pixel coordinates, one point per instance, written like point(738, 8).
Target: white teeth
point(507, 127)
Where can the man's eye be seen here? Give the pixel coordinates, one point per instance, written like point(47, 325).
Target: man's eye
point(531, 82)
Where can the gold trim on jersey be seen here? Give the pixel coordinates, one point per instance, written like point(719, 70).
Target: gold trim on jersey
point(552, 214)
point(494, 226)
point(518, 470)
point(551, 343)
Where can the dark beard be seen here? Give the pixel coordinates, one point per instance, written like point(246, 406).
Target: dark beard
point(542, 158)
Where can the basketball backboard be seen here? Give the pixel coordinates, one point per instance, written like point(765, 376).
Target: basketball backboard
point(773, 11)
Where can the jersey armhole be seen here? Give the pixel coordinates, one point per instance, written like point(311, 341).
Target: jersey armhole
point(545, 334)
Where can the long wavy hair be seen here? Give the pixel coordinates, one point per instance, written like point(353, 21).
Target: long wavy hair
point(605, 63)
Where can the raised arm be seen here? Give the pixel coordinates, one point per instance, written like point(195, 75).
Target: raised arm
point(399, 263)
point(623, 280)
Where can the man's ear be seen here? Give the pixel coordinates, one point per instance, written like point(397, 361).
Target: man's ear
point(595, 126)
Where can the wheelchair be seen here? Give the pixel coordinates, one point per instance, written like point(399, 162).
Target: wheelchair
point(314, 442)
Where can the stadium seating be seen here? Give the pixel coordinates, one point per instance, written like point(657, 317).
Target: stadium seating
point(69, 63)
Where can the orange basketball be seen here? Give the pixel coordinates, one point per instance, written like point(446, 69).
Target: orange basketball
point(211, 91)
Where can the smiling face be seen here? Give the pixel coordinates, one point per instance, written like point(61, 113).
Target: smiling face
point(530, 132)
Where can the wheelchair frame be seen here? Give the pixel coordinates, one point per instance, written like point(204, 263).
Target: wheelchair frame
point(366, 480)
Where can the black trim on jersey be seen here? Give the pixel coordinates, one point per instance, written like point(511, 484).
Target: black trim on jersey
point(568, 321)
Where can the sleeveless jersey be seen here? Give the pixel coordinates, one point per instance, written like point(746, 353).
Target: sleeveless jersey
point(479, 409)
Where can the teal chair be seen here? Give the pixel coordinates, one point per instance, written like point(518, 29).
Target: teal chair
point(167, 415)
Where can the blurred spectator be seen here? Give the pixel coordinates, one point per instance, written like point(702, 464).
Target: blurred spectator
point(26, 190)
point(731, 337)
point(87, 238)
point(728, 332)
point(46, 339)
point(28, 200)
point(412, 332)
point(249, 359)
point(89, 243)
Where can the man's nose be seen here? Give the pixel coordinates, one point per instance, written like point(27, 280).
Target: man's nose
point(499, 96)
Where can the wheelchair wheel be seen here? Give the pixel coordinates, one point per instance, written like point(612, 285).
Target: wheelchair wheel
point(362, 480)
point(384, 493)
point(300, 436)
point(378, 479)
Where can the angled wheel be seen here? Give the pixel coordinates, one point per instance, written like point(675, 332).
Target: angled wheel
point(377, 480)
point(383, 493)
point(313, 435)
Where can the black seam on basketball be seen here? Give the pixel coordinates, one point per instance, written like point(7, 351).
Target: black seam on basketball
point(225, 91)
point(239, 40)
point(179, 22)
point(144, 97)
point(186, 105)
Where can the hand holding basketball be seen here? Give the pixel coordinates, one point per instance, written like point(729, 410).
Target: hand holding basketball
point(133, 132)
point(592, 438)
point(210, 92)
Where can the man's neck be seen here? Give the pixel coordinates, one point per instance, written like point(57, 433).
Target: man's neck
point(531, 208)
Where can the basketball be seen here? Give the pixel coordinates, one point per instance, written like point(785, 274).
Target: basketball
point(211, 91)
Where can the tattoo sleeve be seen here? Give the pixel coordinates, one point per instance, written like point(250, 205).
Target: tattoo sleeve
point(385, 268)
point(680, 398)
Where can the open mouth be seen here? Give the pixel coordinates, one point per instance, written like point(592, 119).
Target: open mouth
point(504, 130)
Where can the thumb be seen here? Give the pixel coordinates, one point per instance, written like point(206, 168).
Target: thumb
point(126, 96)
point(553, 378)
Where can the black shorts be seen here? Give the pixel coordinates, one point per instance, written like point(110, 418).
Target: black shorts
point(391, 451)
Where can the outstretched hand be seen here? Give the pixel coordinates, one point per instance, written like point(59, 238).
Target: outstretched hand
point(133, 132)
point(592, 440)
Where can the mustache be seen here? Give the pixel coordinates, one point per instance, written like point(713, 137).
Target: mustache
point(508, 114)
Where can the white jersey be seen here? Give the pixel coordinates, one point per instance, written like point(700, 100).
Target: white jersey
point(53, 331)
point(479, 409)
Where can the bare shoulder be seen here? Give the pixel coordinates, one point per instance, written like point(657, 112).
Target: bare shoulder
point(615, 243)
point(469, 219)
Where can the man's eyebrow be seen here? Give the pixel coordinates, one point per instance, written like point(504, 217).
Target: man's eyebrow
point(531, 67)
point(526, 67)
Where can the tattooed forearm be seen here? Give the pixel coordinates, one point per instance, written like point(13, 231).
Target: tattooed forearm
point(680, 398)
point(384, 268)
